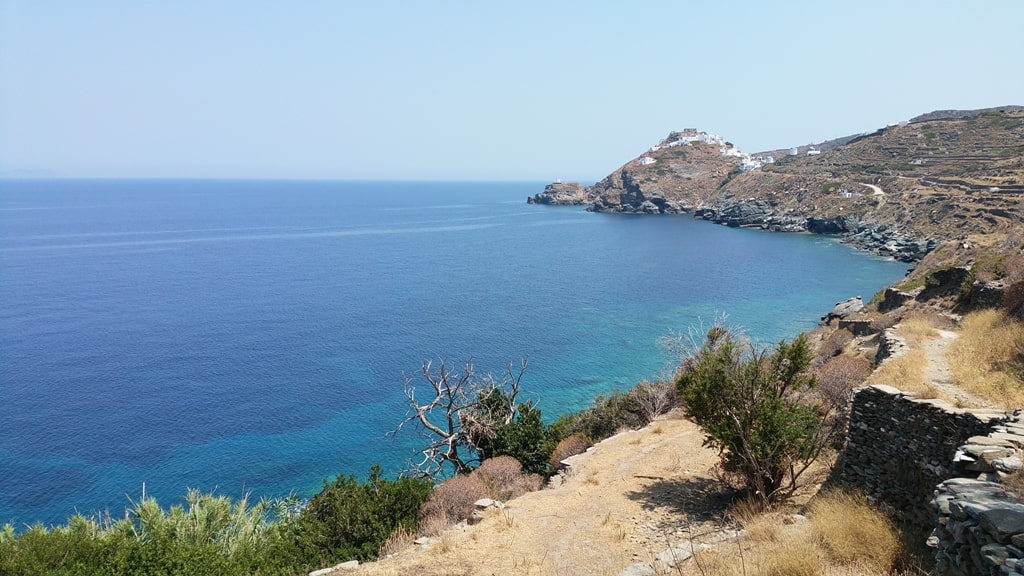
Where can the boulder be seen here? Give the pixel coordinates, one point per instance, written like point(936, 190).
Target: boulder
point(893, 299)
point(844, 309)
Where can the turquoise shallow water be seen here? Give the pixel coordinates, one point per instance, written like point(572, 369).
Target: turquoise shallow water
point(250, 336)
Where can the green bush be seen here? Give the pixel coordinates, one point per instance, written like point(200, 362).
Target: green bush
point(751, 406)
point(523, 439)
point(348, 520)
point(216, 536)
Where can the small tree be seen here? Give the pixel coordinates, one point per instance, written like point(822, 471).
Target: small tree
point(463, 415)
point(752, 405)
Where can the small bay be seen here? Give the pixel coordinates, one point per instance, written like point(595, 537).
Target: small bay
point(255, 336)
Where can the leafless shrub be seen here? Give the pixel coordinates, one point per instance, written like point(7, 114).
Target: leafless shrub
point(833, 345)
point(840, 375)
point(571, 446)
point(503, 478)
point(452, 500)
point(454, 414)
point(1013, 300)
point(656, 398)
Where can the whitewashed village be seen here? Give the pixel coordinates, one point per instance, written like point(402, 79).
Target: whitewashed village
point(748, 161)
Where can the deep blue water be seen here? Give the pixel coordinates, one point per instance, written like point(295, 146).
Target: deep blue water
point(255, 336)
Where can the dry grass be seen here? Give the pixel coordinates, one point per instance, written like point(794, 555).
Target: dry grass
point(399, 540)
point(986, 359)
point(793, 555)
point(908, 372)
point(854, 534)
point(917, 329)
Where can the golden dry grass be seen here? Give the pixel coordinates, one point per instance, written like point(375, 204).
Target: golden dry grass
point(985, 359)
point(916, 330)
point(908, 372)
point(790, 553)
point(854, 534)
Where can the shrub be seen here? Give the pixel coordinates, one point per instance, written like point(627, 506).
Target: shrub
point(752, 407)
point(452, 501)
point(522, 438)
point(834, 344)
point(655, 398)
point(571, 446)
point(839, 376)
point(503, 478)
point(349, 520)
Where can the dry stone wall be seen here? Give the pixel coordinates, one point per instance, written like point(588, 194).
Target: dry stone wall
point(980, 518)
point(899, 448)
point(940, 470)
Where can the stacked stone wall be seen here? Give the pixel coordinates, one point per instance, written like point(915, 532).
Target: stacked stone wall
point(899, 448)
point(980, 517)
point(942, 472)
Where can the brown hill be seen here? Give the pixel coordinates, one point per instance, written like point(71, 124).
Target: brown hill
point(901, 191)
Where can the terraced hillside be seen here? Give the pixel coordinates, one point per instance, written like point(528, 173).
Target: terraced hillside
point(925, 181)
point(901, 191)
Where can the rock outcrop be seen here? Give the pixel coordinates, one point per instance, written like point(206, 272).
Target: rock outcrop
point(562, 193)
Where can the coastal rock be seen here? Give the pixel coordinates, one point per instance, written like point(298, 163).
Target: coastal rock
point(836, 225)
point(844, 309)
point(561, 193)
point(756, 214)
point(893, 299)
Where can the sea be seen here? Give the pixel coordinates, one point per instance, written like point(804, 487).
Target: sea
point(256, 337)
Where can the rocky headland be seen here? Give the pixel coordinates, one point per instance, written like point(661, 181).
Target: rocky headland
point(901, 191)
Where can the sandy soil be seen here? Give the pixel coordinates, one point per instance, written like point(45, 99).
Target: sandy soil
point(623, 502)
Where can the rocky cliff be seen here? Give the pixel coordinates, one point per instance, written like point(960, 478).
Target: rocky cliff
point(900, 191)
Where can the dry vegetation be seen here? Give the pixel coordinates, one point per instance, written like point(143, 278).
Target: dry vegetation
point(637, 493)
point(908, 373)
point(988, 358)
point(841, 534)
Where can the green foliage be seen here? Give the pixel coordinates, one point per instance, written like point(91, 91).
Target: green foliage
point(216, 536)
point(523, 438)
point(829, 187)
point(608, 415)
point(348, 520)
point(750, 405)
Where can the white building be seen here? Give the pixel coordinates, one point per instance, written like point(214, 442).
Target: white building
point(794, 151)
point(647, 160)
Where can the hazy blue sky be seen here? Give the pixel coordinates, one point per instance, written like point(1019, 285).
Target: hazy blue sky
point(472, 90)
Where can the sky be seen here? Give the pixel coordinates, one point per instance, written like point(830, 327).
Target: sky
point(446, 90)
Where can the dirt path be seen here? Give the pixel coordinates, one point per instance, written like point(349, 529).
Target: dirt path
point(940, 375)
point(623, 502)
point(874, 189)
